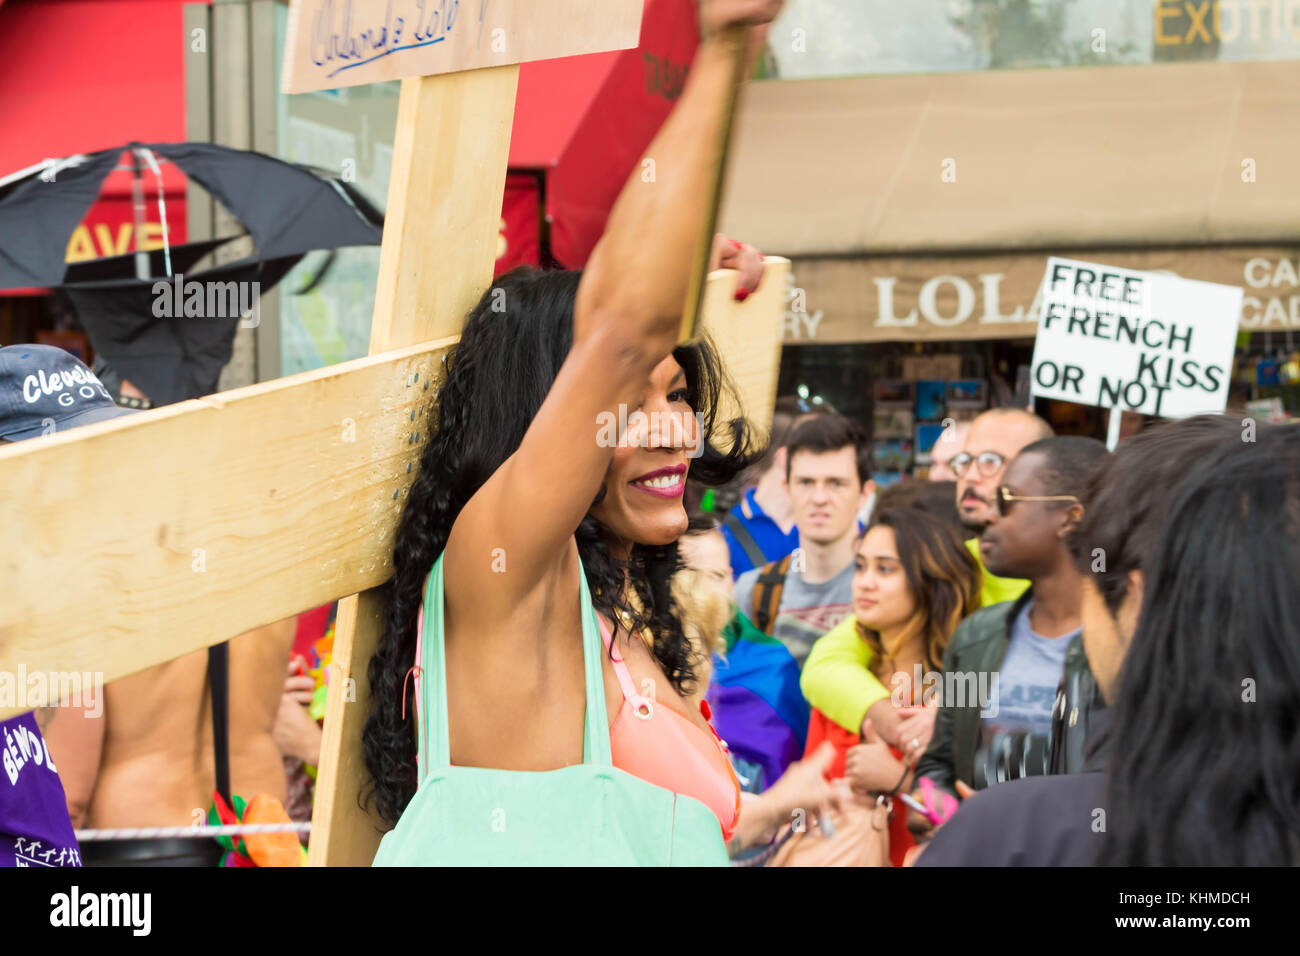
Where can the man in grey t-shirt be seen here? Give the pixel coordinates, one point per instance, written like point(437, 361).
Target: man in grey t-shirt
point(1019, 651)
point(1038, 509)
point(1022, 700)
point(828, 478)
point(807, 610)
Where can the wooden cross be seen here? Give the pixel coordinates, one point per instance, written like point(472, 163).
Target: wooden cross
point(134, 541)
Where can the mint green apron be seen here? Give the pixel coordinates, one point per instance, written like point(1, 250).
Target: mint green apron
point(591, 814)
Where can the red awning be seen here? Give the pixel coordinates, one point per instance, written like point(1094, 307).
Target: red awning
point(81, 75)
point(586, 121)
point(72, 80)
point(582, 122)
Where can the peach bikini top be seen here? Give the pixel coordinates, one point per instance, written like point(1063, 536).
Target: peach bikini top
point(659, 745)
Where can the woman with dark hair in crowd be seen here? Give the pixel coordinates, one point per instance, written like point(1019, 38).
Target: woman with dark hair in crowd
point(525, 485)
point(1205, 765)
point(913, 584)
point(1189, 613)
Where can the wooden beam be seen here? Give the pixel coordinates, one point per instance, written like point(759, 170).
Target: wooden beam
point(134, 541)
point(444, 199)
point(450, 154)
point(737, 40)
point(162, 544)
point(748, 336)
point(342, 835)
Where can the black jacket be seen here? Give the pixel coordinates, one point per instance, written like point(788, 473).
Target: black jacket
point(1037, 821)
point(977, 650)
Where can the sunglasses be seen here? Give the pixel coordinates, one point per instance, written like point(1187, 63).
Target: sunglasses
point(987, 463)
point(1005, 498)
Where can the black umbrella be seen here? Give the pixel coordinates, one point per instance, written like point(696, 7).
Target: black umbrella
point(288, 209)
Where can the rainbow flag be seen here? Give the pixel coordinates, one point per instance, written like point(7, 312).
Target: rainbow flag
point(756, 703)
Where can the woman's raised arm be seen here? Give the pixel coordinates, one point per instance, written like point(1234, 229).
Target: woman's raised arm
point(626, 320)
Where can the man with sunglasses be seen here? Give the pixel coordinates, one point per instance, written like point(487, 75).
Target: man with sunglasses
point(995, 437)
point(1017, 651)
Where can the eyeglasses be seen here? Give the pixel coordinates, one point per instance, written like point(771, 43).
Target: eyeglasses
point(988, 463)
point(1005, 497)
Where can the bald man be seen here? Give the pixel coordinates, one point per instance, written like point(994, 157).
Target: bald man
point(995, 437)
point(949, 446)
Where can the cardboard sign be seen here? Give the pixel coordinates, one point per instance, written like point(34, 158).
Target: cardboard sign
point(1140, 341)
point(334, 43)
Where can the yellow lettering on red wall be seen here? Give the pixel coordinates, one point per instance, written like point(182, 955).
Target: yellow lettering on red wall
point(80, 248)
point(153, 235)
point(104, 239)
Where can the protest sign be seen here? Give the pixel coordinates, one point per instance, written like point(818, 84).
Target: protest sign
point(1142, 341)
point(334, 43)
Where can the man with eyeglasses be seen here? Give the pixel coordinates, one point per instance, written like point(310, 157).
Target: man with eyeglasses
point(1016, 651)
point(995, 437)
point(950, 444)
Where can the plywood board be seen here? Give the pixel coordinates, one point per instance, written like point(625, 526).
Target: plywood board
point(335, 43)
point(748, 337)
point(134, 541)
point(449, 167)
point(450, 154)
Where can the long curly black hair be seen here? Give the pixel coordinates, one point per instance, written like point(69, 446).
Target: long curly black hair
point(494, 383)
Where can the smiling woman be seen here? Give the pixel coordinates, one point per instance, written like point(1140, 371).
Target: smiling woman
point(542, 534)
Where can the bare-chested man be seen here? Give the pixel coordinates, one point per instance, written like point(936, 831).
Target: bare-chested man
point(147, 760)
point(142, 756)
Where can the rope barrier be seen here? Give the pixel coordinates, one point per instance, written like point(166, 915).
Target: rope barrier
point(155, 833)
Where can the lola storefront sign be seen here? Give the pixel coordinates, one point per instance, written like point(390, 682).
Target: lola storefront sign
point(925, 298)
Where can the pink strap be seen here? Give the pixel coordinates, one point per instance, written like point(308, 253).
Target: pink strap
point(419, 675)
point(620, 665)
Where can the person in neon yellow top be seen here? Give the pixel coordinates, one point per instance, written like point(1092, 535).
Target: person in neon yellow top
point(996, 589)
point(836, 679)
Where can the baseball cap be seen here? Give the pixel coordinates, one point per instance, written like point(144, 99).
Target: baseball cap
point(42, 385)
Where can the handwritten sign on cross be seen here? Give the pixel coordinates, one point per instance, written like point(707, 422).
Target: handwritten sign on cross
point(335, 43)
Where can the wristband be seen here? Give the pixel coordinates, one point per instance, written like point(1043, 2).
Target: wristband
point(903, 780)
